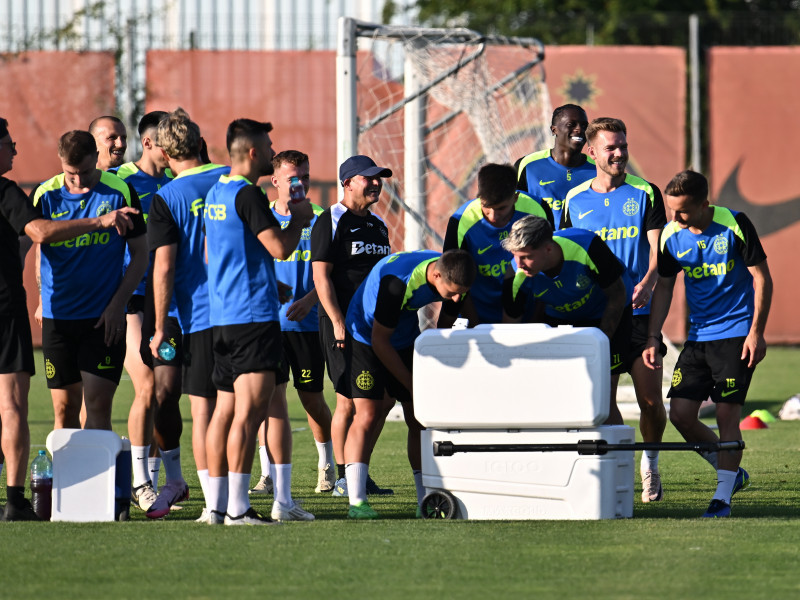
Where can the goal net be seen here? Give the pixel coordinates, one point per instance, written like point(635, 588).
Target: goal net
point(434, 105)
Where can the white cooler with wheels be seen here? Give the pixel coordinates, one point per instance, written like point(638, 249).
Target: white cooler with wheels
point(521, 384)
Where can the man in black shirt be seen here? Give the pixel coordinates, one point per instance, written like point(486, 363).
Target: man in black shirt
point(346, 242)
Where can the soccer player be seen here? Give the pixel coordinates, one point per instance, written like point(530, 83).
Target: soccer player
point(175, 235)
point(575, 279)
point(243, 237)
point(479, 226)
point(300, 332)
point(84, 291)
point(147, 176)
point(346, 242)
point(17, 217)
point(729, 292)
point(547, 175)
point(382, 324)
point(627, 212)
point(112, 141)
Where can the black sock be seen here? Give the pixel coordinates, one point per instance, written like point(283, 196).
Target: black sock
point(340, 471)
point(15, 495)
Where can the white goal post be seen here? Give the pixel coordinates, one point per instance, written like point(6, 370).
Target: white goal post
point(434, 105)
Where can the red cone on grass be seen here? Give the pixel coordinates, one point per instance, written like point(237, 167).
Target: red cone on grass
point(751, 422)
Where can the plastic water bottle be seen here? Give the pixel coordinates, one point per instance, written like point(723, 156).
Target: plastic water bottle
point(166, 351)
point(297, 193)
point(42, 485)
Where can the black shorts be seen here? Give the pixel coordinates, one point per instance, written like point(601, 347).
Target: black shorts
point(334, 355)
point(198, 363)
point(174, 337)
point(619, 344)
point(70, 347)
point(246, 348)
point(713, 369)
point(303, 355)
point(16, 345)
point(135, 305)
point(368, 378)
point(639, 337)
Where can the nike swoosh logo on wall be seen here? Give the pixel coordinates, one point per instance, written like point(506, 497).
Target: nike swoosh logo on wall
point(767, 218)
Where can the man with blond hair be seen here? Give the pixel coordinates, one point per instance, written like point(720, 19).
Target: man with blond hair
point(627, 213)
point(175, 234)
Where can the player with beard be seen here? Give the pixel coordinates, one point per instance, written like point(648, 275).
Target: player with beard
point(627, 212)
point(547, 175)
point(243, 238)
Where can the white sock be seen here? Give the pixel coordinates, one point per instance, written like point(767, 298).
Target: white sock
point(141, 472)
point(325, 452)
point(711, 458)
point(238, 502)
point(283, 483)
point(725, 481)
point(217, 496)
point(154, 463)
point(421, 491)
point(172, 464)
point(203, 477)
point(649, 461)
point(263, 456)
point(356, 474)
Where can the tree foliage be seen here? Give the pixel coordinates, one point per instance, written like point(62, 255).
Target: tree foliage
point(617, 21)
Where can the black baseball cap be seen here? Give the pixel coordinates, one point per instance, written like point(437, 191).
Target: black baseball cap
point(361, 165)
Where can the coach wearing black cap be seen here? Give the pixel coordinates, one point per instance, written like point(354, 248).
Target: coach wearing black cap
point(346, 242)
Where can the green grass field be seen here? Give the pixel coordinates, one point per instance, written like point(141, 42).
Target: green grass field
point(665, 551)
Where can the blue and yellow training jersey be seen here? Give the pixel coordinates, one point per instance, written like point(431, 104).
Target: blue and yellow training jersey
point(622, 219)
point(719, 286)
point(393, 292)
point(576, 293)
point(242, 287)
point(176, 217)
point(545, 180)
point(296, 272)
point(470, 231)
point(80, 276)
point(146, 187)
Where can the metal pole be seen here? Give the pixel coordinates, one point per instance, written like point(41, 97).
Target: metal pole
point(414, 155)
point(586, 447)
point(346, 124)
point(694, 91)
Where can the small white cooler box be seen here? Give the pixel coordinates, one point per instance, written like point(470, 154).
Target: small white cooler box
point(521, 384)
point(91, 475)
